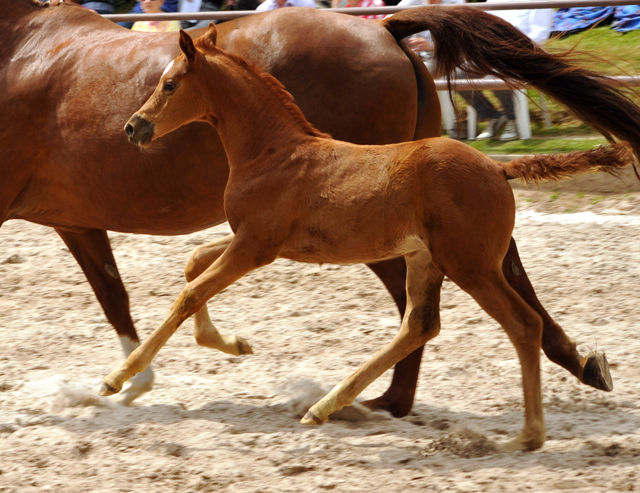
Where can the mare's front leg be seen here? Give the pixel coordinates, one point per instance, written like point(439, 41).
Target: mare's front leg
point(237, 260)
point(92, 251)
point(591, 369)
point(205, 333)
point(420, 323)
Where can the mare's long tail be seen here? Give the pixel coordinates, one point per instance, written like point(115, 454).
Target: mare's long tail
point(481, 43)
point(533, 169)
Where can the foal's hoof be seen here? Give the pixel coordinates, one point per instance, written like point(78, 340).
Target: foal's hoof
point(107, 390)
point(243, 346)
point(596, 371)
point(311, 419)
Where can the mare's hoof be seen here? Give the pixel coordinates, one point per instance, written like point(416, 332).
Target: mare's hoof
point(243, 346)
point(596, 372)
point(311, 419)
point(398, 408)
point(107, 390)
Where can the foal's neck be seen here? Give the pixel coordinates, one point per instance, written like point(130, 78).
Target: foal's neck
point(255, 120)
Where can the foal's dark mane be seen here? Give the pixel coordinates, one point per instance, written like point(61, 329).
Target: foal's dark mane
point(271, 82)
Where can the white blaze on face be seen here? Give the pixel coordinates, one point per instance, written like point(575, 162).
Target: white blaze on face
point(168, 68)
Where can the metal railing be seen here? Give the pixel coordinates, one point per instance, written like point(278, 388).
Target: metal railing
point(493, 84)
point(543, 4)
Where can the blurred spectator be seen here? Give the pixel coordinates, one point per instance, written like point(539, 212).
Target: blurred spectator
point(421, 42)
point(535, 23)
point(242, 4)
point(154, 7)
point(99, 6)
point(213, 6)
point(199, 6)
point(168, 6)
point(361, 3)
point(276, 4)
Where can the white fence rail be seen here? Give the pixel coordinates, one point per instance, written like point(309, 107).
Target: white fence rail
point(492, 84)
point(543, 4)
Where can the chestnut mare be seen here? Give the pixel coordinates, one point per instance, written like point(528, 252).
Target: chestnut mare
point(67, 80)
point(295, 193)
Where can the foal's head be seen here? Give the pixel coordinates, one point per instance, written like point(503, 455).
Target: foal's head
point(177, 99)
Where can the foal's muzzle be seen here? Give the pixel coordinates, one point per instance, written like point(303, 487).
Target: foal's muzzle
point(139, 130)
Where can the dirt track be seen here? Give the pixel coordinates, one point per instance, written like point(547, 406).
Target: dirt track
point(220, 423)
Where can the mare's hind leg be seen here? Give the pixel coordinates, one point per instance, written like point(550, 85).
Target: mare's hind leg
point(92, 250)
point(591, 369)
point(421, 323)
point(205, 333)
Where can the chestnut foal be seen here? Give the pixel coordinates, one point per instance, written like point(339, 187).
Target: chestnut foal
point(295, 193)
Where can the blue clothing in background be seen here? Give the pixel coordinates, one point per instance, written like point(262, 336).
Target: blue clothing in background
point(580, 18)
point(626, 18)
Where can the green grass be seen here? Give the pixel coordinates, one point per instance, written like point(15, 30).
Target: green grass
point(604, 49)
point(601, 49)
point(533, 146)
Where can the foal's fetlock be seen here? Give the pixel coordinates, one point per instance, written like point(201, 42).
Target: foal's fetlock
point(595, 371)
point(528, 440)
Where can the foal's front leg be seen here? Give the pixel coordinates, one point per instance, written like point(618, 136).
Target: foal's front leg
point(236, 261)
point(205, 333)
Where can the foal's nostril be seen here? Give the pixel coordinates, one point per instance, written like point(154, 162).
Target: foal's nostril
point(128, 129)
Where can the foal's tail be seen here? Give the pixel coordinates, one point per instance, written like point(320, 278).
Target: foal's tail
point(484, 44)
point(533, 169)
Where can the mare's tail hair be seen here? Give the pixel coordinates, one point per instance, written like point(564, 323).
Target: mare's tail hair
point(533, 169)
point(483, 44)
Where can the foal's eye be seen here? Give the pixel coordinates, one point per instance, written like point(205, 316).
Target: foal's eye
point(169, 87)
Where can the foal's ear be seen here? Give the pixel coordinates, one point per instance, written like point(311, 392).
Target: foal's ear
point(187, 46)
point(207, 42)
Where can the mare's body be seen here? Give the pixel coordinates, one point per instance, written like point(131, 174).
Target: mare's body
point(71, 79)
point(295, 193)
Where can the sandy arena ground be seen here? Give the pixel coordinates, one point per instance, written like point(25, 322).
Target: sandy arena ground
point(220, 423)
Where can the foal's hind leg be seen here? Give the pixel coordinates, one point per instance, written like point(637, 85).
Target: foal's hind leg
point(421, 323)
point(204, 331)
point(592, 369)
point(524, 328)
point(92, 251)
